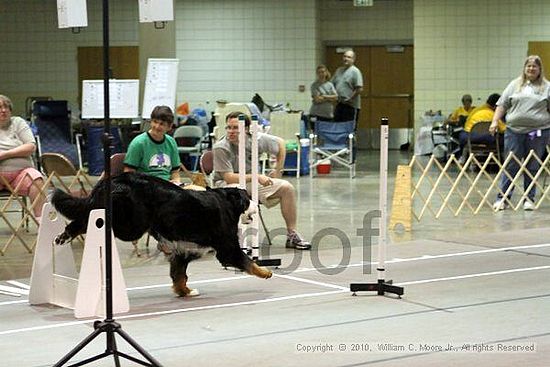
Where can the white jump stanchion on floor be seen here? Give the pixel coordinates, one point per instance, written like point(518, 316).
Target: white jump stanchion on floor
point(54, 278)
point(242, 174)
point(90, 295)
point(254, 236)
point(382, 286)
point(254, 187)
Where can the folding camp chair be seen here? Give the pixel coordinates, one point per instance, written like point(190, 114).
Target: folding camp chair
point(11, 197)
point(54, 133)
point(480, 143)
point(334, 142)
point(287, 126)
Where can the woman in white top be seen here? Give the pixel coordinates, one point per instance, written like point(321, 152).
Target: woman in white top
point(525, 102)
point(17, 145)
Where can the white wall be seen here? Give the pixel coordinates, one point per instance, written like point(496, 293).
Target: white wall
point(471, 46)
point(231, 49)
point(38, 59)
point(386, 20)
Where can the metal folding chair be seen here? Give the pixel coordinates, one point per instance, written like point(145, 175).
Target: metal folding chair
point(486, 146)
point(61, 173)
point(190, 140)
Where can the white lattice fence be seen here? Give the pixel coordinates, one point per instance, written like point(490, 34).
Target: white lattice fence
point(468, 188)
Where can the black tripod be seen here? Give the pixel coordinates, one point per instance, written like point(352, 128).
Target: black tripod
point(108, 326)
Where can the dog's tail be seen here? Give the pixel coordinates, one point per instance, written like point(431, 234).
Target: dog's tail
point(71, 207)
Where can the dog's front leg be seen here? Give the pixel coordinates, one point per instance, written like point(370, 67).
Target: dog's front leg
point(72, 230)
point(259, 271)
point(178, 273)
point(232, 255)
point(62, 238)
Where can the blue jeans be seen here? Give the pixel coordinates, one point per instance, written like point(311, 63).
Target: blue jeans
point(520, 145)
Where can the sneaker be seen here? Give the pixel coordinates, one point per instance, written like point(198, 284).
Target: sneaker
point(528, 205)
point(500, 204)
point(293, 240)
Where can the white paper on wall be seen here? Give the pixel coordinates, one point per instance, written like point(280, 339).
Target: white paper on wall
point(123, 98)
point(72, 13)
point(156, 10)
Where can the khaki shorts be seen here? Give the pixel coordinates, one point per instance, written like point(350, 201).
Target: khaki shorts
point(15, 178)
point(264, 192)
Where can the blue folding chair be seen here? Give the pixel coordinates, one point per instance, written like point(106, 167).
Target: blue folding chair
point(53, 125)
point(333, 141)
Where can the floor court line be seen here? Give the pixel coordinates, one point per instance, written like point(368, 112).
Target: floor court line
point(168, 312)
point(477, 275)
point(393, 261)
point(268, 300)
point(314, 282)
point(432, 257)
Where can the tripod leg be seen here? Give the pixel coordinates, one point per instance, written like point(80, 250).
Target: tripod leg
point(78, 348)
point(111, 347)
point(138, 348)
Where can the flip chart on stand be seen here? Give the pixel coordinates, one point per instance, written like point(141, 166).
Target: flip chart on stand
point(160, 85)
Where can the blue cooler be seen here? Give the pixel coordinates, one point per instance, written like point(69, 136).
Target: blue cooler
point(291, 160)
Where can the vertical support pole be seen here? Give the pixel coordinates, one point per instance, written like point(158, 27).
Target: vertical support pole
point(242, 173)
point(383, 200)
point(382, 286)
point(254, 186)
point(107, 158)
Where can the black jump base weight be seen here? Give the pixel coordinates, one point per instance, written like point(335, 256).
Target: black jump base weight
point(381, 287)
point(268, 262)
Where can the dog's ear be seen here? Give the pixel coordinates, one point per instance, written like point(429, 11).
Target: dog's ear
point(239, 199)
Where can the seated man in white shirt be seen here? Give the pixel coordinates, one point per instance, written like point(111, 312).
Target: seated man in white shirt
point(272, 189)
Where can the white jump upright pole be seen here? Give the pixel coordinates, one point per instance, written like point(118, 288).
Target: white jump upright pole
point(383, 198)
point(242, 172)
point(381, 287)
point(254, 186)
point(255, 242)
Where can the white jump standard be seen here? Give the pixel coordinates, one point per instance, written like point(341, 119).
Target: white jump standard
point(382, 286)
point(253, 187)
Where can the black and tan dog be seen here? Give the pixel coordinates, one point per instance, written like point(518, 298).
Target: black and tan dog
point(193, 221)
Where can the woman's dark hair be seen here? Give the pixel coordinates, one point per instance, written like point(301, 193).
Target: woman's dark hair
point(493, 99)
point(163, 113)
